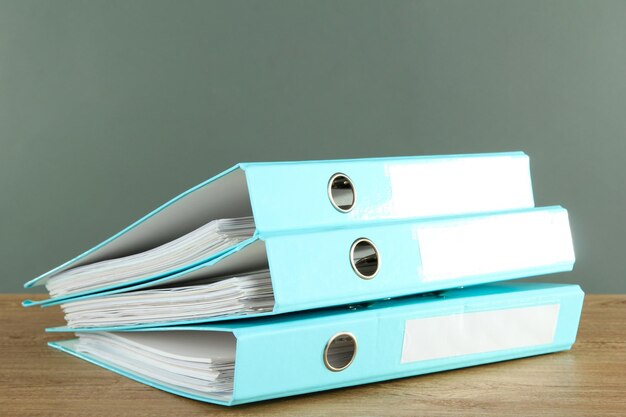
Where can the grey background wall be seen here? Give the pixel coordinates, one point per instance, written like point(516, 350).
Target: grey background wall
point(109, 108)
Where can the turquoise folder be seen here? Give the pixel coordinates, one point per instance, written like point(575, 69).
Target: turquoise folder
point(288, 355)
point(313, 195)
point(313, 270)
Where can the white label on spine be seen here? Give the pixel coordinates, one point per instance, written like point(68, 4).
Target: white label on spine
point(444, 186)
point(494, 244)
point(478, 332)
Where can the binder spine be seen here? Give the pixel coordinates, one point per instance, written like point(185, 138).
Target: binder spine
point(295, 352)
point(319, 269)
point(321, 194)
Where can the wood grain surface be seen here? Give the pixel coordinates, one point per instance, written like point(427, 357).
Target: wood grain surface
point(589, 380)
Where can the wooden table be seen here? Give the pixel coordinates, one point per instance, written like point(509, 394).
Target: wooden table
point(588, 380)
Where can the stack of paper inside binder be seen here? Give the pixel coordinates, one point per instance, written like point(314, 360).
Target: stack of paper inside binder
point(324, 274)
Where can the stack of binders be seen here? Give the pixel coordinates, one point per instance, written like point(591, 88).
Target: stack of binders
point(323, 274)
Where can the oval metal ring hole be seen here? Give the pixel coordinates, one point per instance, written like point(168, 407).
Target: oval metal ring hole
point(340, 351)
point(341, 192)
point(364, 258)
